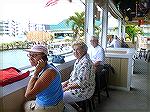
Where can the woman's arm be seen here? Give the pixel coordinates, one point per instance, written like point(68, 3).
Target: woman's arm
point(71, 86)
point(37, 85)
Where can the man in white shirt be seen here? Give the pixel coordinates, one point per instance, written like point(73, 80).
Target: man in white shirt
point(115, 43)
point(96, 53)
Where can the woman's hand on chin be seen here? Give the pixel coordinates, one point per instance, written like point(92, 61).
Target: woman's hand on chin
point(39, 67)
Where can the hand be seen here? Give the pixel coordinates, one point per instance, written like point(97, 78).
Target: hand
point(40, 66)
point(64, 84)
point(66, 88)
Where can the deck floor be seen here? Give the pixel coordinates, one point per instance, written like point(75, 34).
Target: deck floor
point(136, 100)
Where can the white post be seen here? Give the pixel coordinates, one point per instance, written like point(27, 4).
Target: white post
point(123, 30)
point(104, 25)
point(89, 20)
point(119, 28)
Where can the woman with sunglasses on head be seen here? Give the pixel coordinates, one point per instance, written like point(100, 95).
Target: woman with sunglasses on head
point(44, 85)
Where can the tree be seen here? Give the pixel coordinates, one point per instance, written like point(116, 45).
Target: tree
point(78, 24)
point(133, 31)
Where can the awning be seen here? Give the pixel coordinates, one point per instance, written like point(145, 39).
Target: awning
point(111, 8)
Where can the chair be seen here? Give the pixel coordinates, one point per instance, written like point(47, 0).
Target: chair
point(142, 53)
point(101, 79)
point(85, 105)
point(148, 56)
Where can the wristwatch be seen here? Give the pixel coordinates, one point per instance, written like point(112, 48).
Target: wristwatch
point(35, 77)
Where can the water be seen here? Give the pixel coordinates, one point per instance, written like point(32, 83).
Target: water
point(18, 58)
point(13, 58)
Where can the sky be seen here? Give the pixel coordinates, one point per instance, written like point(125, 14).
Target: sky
point(35, 10)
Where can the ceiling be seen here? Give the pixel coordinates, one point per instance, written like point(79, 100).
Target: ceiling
point(134, 10)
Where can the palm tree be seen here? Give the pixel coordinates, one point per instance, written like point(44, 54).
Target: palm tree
point(77, 23)
point(133, 31)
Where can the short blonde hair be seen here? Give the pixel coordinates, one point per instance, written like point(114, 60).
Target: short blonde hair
point(80, 44)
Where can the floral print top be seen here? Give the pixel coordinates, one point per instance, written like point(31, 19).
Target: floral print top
point(83, 74)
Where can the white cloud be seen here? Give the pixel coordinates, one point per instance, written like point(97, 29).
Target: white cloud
point(36, 12)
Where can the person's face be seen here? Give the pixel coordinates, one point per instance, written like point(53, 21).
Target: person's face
point(78, 52)
point(34, 58)
point(94, 42)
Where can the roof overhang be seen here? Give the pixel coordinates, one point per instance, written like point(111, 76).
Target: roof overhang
point(111, 8)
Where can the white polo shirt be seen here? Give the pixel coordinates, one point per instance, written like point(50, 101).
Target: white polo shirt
point(115, 43)
point(97, 54)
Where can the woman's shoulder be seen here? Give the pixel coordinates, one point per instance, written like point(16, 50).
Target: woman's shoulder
point(86, 60)
point(50, 72)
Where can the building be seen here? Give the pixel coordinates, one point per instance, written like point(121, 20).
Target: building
point(14, 28)
point(8, 27)
point(62, 29)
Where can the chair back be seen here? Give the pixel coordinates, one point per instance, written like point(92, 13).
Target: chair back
point(101, 79)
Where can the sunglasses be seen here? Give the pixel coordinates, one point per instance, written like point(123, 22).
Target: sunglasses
point(33, 55)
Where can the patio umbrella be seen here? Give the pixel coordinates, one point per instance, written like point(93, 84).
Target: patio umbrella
point(39, 36)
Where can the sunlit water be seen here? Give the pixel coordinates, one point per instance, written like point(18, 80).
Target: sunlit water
point(13, 58)
point(18, 58)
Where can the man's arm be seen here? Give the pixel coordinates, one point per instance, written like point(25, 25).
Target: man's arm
point(100, 57)
point(97, 63)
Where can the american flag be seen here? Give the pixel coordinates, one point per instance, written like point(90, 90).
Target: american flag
point(51, 3)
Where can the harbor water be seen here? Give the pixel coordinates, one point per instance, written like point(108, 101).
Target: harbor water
point(13, 58)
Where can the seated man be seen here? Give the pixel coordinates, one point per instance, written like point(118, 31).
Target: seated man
point(115, 43)
point(97, 53)
point(81, 83)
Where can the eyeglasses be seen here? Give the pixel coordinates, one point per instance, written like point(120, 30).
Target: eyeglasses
point(33, 55)
point(93, 40)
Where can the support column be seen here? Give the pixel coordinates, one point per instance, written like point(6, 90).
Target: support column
point(123, 30)
point(104, 25)
point(89, 20)
point(119, 28)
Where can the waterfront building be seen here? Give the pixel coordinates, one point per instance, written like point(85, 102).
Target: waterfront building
point(15, 28)
point(62, 29)
point(8, 27)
